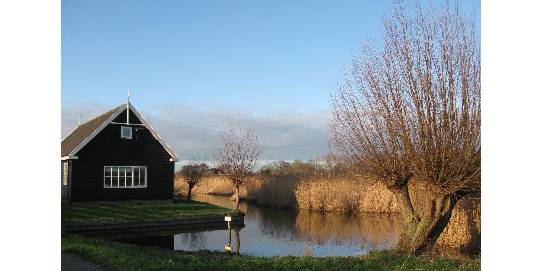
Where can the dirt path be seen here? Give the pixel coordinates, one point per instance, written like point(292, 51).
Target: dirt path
point(74, 262)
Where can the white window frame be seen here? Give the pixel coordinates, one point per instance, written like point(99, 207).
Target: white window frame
point(124, 178)
point(123, 134)
point(65, 172)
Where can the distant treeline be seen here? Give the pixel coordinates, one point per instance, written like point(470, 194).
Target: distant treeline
point(330, 166)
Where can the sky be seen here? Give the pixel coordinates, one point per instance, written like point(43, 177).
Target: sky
point(194, 66)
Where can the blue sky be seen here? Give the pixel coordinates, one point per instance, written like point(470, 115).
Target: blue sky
point(257, 62)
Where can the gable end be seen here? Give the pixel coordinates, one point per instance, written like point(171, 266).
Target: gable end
point(84, 133)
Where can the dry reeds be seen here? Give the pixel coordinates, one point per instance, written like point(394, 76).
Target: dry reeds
point(344, 195)
point(213, 185)
point(464, 229)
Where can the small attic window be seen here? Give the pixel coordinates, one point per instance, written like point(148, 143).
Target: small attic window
point(126, 132)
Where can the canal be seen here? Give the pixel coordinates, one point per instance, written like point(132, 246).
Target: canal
point(281, 232)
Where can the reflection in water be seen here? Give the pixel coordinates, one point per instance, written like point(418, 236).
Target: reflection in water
point(237, 240)
point(272, 232)
point(196, 240)
point(228, 245)
point(370, 231)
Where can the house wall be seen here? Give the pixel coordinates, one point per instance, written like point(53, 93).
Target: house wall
point(108, 149)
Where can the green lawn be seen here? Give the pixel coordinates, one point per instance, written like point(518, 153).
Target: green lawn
point(117, 256)
point(135, 210)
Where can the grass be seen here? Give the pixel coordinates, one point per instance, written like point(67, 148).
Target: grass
point(117, 256)
point(136, 210)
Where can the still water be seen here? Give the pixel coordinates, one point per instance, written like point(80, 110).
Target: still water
point(273, 232)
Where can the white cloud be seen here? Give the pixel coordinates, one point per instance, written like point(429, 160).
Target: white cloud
point(87, 111)
point(283, 135)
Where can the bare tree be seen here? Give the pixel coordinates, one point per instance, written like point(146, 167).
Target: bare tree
point(192, 173)
point(410, 112)
point(236, 156)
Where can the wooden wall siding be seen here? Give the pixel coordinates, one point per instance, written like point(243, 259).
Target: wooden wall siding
point(108, 149)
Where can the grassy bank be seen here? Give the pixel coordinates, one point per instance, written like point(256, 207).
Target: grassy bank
point(135, 210)
point(117, 256)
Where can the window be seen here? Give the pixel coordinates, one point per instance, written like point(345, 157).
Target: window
point(125, 176)
point(126, 132)
point(65, 173)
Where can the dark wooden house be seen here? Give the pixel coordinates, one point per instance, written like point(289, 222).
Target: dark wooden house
point(116, 156)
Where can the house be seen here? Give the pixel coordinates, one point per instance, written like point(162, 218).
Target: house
point(116, 156)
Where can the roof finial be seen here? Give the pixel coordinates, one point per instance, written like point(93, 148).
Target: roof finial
point(128, 108)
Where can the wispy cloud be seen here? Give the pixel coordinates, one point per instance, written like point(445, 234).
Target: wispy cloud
point(87, 111)
point(193, 132)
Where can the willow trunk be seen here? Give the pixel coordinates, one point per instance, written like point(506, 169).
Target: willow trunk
point(422, 229)
point(189, 194)
point(237, 197)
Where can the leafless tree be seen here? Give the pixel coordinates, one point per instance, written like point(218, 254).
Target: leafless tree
point(410, 112)
point(192, 173)
point(236, 156)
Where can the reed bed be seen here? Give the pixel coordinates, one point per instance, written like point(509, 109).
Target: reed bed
point(344, 195)
point(464, 229)
point(212, 185)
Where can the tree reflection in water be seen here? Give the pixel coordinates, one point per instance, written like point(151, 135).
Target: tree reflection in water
point(271, 232)
point(195, 240)
point(278, 223)
point(371, 231)
point(228, 247)
point(237, 240)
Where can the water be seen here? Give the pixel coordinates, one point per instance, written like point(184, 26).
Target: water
point(273, 232)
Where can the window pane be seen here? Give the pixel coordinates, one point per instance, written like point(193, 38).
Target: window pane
point(126, 132)
point(107, 182)
point(65, 173)
point(142, 176)
point(136, 176)
point(124, 176)
point(121, 177)
point(128, 176)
